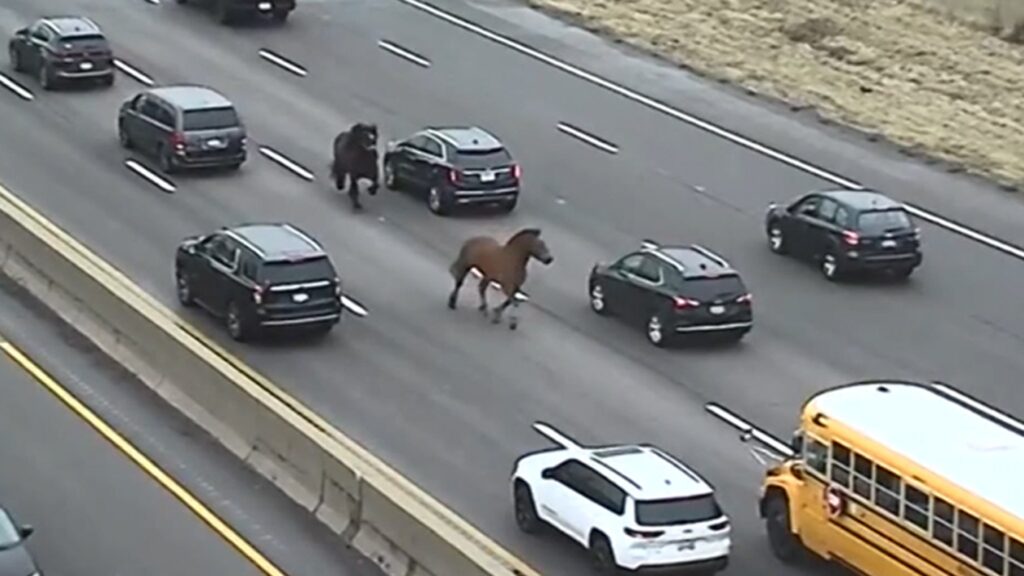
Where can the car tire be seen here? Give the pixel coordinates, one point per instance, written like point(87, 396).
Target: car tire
point(234, 167)
point(180, 1)
point(236, 324)
point(183, 288)
point(15, 60)
point(830, 267)
point(390, 178)
point(108, 80)
point(281, 16)
point(598, 300)
point(165, 159)
point(223, 12)
point(437, 201)
point(602, 556)
point(785, 545)
point(46, 80)
point(124, 137)
point(776, 241)
point(526, 509)
point(902, 273)
point(655, 330)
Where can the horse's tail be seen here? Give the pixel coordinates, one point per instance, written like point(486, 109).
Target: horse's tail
point(459, 267)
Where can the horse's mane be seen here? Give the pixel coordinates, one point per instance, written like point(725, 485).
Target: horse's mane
point(524, 232)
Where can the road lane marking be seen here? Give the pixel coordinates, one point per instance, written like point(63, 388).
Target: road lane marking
point(282, 62)
point(156, 2)
point(403, 53)
point(142, 461)
point(735, 138)
point(17, 88)
point(287, 163)
point(133, 72)
point(353, 306)
point(747, 430)
point(150, 176)
point(521, 296)
point(588, 138)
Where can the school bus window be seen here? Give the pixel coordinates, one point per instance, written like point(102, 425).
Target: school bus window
point(993, 551)
point(917, 507)
point(1016, 558)
point(967, 534)
point(816, 455)
point(887, 490)
point(942, 524)
point(862, 477)
point(841, 464)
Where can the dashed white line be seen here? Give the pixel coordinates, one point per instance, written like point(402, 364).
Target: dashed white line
point(403, 53)
point(747, 429)
point(18, 89)
point(733, 137)
point(521, 296)
point(156, 2)
point(150, 176)
point(588, 138)
point(288, 164)
point(133, 72)
point(282, 62)
point(354, 307)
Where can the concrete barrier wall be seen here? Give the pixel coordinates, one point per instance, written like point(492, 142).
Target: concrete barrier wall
point(368, 504)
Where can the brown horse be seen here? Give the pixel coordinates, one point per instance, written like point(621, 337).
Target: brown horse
point(501, 265)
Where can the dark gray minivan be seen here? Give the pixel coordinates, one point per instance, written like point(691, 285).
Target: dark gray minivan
point(183, 127)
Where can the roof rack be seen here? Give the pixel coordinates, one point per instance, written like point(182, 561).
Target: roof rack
point(710, 255)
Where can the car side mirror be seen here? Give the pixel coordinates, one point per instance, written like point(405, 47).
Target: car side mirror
point(548, 473)
point(21, 32)
point(808, 210)
point(26, 531)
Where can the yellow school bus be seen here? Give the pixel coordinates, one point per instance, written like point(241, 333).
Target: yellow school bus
point(901, 479)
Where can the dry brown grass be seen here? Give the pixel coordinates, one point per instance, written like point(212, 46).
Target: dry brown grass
point(928, 74)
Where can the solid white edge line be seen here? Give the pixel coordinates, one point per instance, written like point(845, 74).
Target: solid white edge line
point(354, 307)
point(403, 53)
point(286, 163)
point(149, 176)
point(729, 418)
point(588, 138)
point(521, 296)
point(281, 62)
point(139, 76)
point(18, 89)
point(733, 137)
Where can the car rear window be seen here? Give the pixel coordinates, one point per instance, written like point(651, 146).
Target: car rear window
point(210, 119)
point(475, 160)
point(879, 221)
point(83, 42)
point(716, 287)
point(309, 270)
point(677, 511)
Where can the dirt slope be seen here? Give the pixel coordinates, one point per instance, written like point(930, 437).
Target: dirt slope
point(927, 74)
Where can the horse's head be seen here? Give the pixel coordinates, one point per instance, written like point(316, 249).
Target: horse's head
point(536, 247)
point(365, 135)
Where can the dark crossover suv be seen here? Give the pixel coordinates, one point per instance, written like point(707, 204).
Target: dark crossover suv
point(15, 559)
point(673, 291)
point(455, 166)
point(227, 11)
point(183, 126)
point(62, 48)
point(846, 231)
point(259, 276)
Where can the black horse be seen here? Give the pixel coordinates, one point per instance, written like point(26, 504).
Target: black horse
point(355, 159)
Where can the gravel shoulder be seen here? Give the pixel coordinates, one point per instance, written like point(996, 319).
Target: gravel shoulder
point(930, 75)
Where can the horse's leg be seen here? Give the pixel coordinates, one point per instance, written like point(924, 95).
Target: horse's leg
point(500, 309)
point(339, 177)
point(513, 317)
point(459, 279)
point(374, 178)
point(482, 290)
point(353, 192)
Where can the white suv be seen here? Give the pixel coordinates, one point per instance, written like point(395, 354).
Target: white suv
point(633, 506)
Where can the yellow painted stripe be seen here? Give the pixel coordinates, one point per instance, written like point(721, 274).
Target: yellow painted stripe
point(148, 466)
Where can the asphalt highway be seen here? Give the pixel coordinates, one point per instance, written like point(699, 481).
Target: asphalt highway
point(443, 395)
point(96, 511)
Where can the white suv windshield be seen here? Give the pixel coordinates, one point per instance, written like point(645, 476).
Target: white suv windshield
point(677, 511)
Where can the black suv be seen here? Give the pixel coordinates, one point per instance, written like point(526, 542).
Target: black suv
point(227, 11)
point(183, 126)
point(846, 231)
point(62, 48)
point(673, 291)
point(455, 166)
point(258, 276)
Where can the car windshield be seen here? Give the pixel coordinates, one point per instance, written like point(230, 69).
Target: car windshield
point(210, 119)
point(9, 535)
point(476, 160)
point(880, 221)
point(310, 270)
point(714, 287)
point(677, 511)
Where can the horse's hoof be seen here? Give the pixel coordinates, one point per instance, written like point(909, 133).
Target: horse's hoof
point(372, 191)
point(513, 325)
point(496, 320)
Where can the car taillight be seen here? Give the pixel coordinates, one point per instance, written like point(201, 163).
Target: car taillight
point(748, 297)
point(681, 303)
point(178, 140)
point(851, 238)
point(454, 175)
point(257, 294)
point(517, 171)
point(719, 525)
point(337, 287)
point(917, 234)
point(644, 533)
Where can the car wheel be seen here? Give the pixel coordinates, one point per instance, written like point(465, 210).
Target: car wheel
point(602, 556)
point(12, 54)
point(184, 290)
point(902, 273)
point(656, 331)
point(830, 267)
point(180, 1)
point(597, 299)
point(526, 510)
point(166, 160)
point(281, 16)
point(235, 323)
point(510, 205)
point(224, 14)
point(390, 178)
point(108, 80)
point(123, 136)
point(784, 544)
point(45, 77)
point(776, 241)
point(437, 202)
